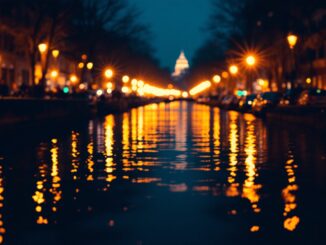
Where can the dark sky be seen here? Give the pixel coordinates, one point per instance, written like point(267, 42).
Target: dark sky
point(176, 25)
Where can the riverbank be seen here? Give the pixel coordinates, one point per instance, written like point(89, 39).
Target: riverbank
point(22, 112)
point(303, 116)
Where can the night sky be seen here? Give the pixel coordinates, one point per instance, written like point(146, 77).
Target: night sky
point(176, 25)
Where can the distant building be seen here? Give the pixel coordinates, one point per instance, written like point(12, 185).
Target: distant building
point(181, 68)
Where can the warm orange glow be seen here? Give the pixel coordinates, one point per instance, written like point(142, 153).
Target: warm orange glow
point(73, 78)
point(109, 85)
point(233, 69)
point(217, 79)
point(140, 83)
point(90, 65)
point(125, 79)
point(81, 65)
point(250, 60)
point(200, 88)
point(55, 53)
point(255, 228)
point(292, 40)
point(54, 74)
point(125, 90)
point(225, 74)
point(291, 224)
point(308, 80)
point(185, 94)
point(134, 82)
point(42, 47)
point(108, 73)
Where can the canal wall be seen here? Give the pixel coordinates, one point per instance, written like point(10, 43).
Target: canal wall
point(313, 117)
point(20, 111)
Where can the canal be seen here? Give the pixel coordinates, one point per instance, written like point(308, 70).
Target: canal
point(177, 173)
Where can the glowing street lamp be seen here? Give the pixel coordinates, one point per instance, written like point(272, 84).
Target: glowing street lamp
point(217, 79)
point(55, 53)
point(73, 78)
point(125, 79)
point(233, 69)
point(42, 47)
point(250, 60)
point(54, 74)
point(81, 65)
point(292, 40)
point(108, 73)
point(90, 65)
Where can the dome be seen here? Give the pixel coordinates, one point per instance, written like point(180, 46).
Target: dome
point(181, 65)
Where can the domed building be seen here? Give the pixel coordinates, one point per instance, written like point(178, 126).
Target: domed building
point(181, 67)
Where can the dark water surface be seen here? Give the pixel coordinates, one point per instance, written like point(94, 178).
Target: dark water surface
point(176, 173)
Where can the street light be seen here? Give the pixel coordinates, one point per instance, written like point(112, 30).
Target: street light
point(292, 40)
point(42, 47)
point(73, 78)
point(233, 69)
point(125, 79)
point(108, 73)
point(250, 60)
point(81, 65)
point(90, 65)
point(217, 79)
point(54, 74)
point(55, 53)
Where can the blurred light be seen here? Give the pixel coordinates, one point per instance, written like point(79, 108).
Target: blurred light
point(82, 86)
point(125, 79)
point(55, 53)
point(140, 83)
point(242, 93)
point(200, 88)
point(233, 69)
point(185, 94)
point(217, 79)
point(73, 78)
point(134, 82)
point(90, 65)
point(66, 90)
point(81, 65)
point(108, 73)
point(125, 90)
point(170, 86)
point(84, 57)
point(54, 74)
point(250, 60)
point(262, 82)
point(141, 92)
point(225, 74)
point(42, 47)
point(99, 92)
point(109, 85)
point(292, 40)
point(109, 91)
point(308, 80)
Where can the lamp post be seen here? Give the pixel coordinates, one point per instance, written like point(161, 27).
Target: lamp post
point(233, 69)
point(292, 41)
point(250, 61)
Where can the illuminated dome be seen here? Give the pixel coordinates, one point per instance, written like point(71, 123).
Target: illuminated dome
point(181, 66)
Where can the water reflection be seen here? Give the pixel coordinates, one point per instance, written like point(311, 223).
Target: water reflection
point(2, 190)
point(289, 194)
point(165, 163)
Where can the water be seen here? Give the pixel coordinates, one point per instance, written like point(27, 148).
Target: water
point(176, 173)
